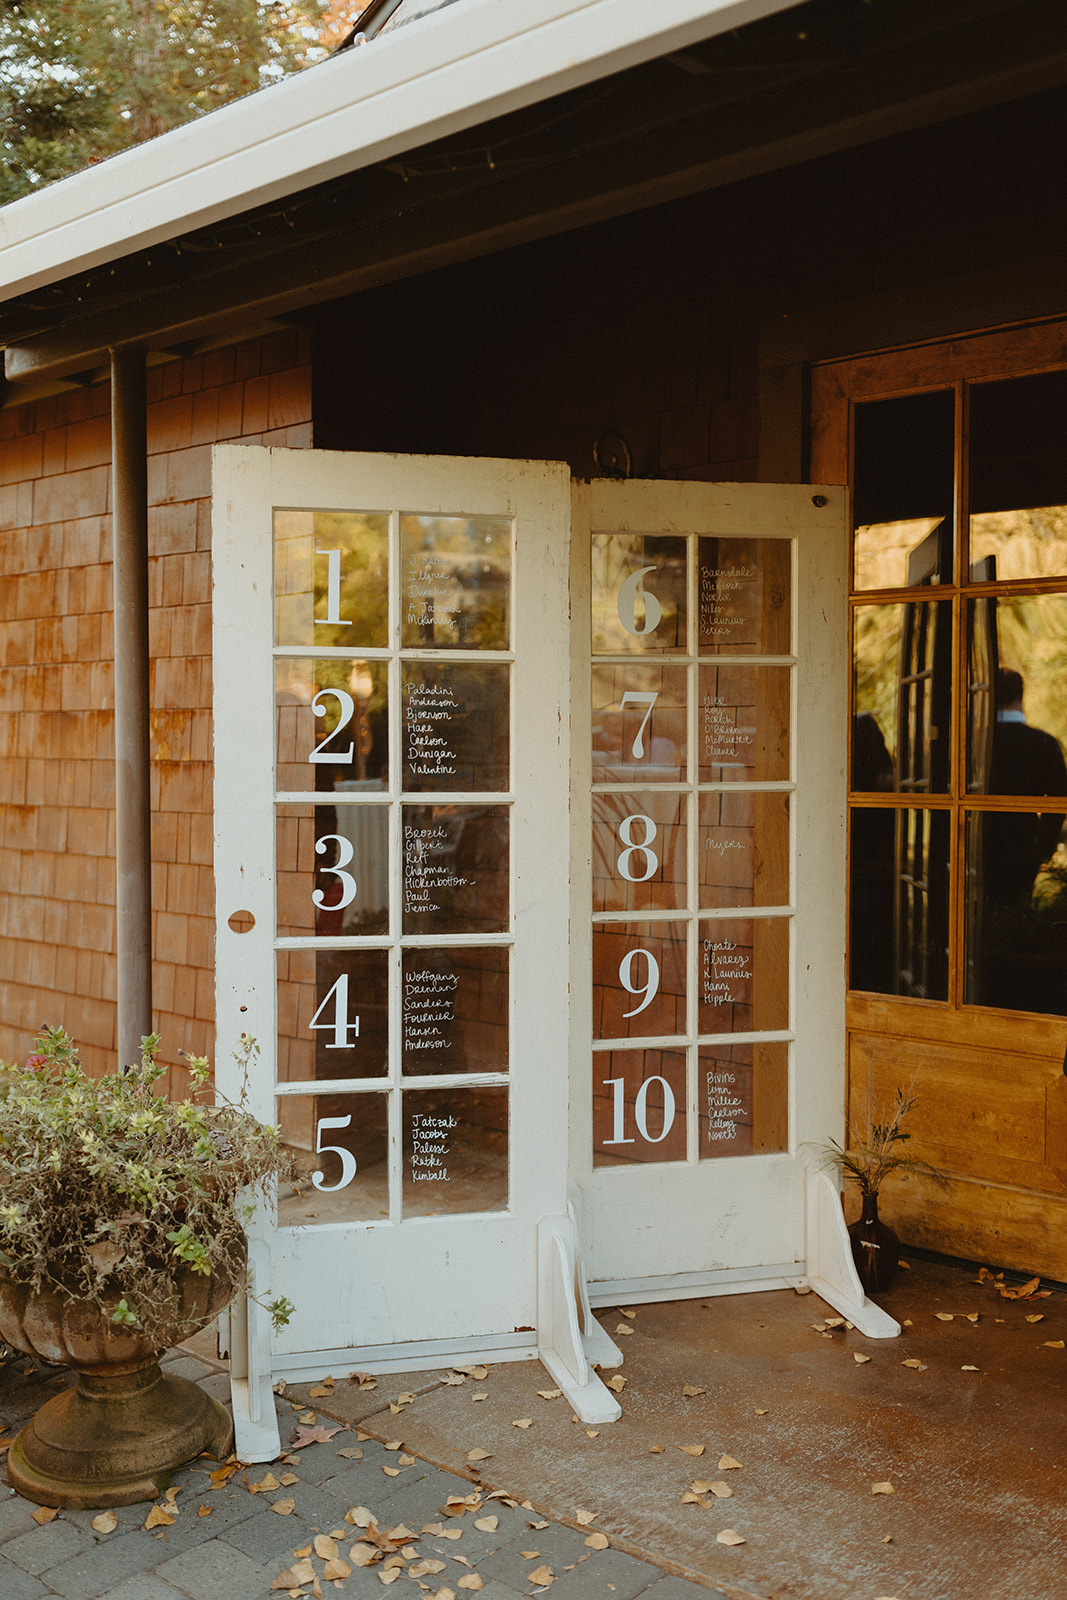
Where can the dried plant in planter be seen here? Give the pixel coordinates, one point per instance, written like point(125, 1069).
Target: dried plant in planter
point(106, 1189)
point(121, 1233)
point(867, 1164)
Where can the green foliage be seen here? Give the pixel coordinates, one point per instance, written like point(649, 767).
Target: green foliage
point(107, 1190)
point(83, 79)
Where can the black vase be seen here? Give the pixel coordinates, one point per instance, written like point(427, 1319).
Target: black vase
point(875, 1248)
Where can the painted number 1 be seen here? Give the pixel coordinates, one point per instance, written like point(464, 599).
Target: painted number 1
point(333, 590)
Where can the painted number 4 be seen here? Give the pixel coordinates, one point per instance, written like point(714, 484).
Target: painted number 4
point(345, 1033)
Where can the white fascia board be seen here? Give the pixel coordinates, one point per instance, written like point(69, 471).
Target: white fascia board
point(448, 71)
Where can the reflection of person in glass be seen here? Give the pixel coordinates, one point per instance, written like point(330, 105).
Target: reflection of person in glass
point(1026, 760)
point(1020, 965)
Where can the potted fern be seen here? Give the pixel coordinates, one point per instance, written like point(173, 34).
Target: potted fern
point(121, 1234)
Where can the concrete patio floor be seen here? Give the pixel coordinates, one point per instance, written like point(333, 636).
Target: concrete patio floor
point(935, 1469)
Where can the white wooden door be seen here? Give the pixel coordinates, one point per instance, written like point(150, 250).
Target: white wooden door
point(709, 743)
point(391, 791)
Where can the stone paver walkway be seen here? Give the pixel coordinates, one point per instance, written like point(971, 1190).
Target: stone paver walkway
point(440, 1531)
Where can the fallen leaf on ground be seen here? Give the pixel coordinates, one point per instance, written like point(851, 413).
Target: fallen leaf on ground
point(592, 1433)
point(406, 1399)
point(1035, 1316)
point(388, 1574)
point(450, 1533)
point(882, 1488)
point(585, 1517)
point(529, 1555)
point(913, 1362)
point(721, 1491)
point(728, 1536)
point(690, 1389)
point(305, 1436)
point(541, 1575)
point(290, 1477)
point(478, 1454)
point(323, 1390)
point(363, 1379)
point(406, 1461)
point(336, 1568)
point(618, 1383)
point(522, 1422)
point(393, 1444)
point(106, 1522)
point(325, 1547)
point(537, 1526)
point(300, 1572)
point(692, 1449)
point(359, 1516)
point(969, 1369)
point(283, 1507)
point(204, 1511)
point(973, 1316)
point(454, 1378)
point(597, 1541)
point(728, 1464)
point(280, 1387)
point(428, 1564)
point(487, 1524)
point(469, 1580)
point(364, 1555)
point(45, 1514)
point(477, 1397)
point(624, 1313)
point(445, 1594)
point(860, 1359)
point(268, 1482)
point(624, 1330)
point(224, 1474)
point(761, 1411)
point(1053, 1344)
point(401, 1533)
point(656, 1449)
point(550, 1394)
point(158, 1518)
point(944, 1316)
point(691, 1499)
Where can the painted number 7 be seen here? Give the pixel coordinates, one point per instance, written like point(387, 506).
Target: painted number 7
point(640, 697)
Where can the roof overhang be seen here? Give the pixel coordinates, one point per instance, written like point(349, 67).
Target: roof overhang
point(474, 60)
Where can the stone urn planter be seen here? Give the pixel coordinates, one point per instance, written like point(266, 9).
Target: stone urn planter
point(125, 1425)
point(121, 1234)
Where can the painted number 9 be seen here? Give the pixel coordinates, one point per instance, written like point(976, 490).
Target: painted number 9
point(650, 987)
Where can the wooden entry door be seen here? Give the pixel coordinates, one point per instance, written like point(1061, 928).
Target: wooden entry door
point(958, 917)
point(709, 697)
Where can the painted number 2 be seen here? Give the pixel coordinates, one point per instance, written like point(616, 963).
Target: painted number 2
point(618, 1107)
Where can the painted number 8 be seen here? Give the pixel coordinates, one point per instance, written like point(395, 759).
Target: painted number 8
point(625, 864)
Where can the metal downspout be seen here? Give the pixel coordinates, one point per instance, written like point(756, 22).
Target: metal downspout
point(133, 798)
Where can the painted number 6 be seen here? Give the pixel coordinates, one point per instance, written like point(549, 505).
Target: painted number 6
point(348, 1160)
point(627, 606)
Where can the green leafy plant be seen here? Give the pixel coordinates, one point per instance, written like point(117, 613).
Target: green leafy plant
point(108, 1191)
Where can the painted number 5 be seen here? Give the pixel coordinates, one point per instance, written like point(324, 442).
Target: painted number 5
point(629, 591)
point(348, 1160)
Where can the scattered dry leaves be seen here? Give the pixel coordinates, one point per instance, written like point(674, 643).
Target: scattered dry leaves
point(858, 1358)
point(160, 1518)
point(691, 1389)
point(106, 1522)
point(469, 1580)
point(692, 1449)
point(597, 1541)
point(541, 1575)
point(728, 1536)
point(550, 1394)
point(300, 1572)
point(618, 1383)
point(882, 1488)
point(523, 1422)
point(914, 1363)
point(487, 1524)
point(267, 1482)
point(306, 1435)
point(623, 1330)
point(728, 1464)
point(284, 1506)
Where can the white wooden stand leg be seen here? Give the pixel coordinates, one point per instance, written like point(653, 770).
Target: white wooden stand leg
point(565, 1346)
point(831, 1269)
point(255, 1421)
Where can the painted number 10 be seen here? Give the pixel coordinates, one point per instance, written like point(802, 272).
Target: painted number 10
point(618, 1108)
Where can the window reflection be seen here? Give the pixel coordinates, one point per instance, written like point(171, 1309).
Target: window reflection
point(1016, 916)
point(1017, 711)
point(1018, 477)
point(898, 902)
point(903, 492)
point(902, 664)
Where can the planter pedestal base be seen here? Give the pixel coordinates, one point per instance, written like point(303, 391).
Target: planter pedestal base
point(115, 1437)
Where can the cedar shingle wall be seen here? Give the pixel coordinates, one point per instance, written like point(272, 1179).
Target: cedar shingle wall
point(57, 830)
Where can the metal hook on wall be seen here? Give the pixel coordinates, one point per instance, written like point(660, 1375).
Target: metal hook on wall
point(612, 456)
